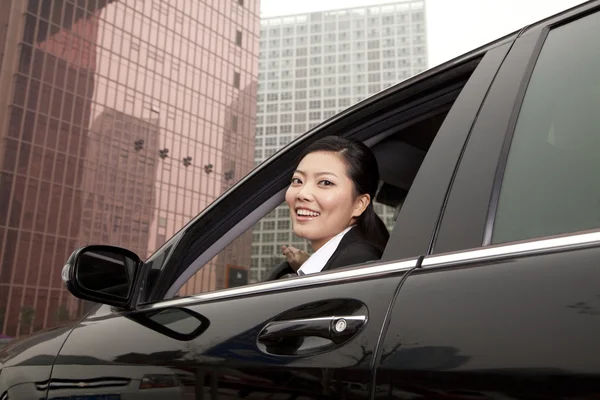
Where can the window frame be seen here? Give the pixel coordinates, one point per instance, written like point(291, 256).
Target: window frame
point(472, 203)
point(508, 141)
point(250, 199)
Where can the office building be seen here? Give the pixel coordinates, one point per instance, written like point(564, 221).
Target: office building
point(314, 65)
point(120, 121)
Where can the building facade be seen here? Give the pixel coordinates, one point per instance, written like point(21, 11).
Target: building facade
point(121, 121)
point(314, 65)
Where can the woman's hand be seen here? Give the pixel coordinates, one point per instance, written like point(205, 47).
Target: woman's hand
point(295, 257)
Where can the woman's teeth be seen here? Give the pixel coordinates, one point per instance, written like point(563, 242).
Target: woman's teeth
point(307, 213)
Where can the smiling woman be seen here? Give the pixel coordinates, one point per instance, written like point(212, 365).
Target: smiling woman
point(330, 201)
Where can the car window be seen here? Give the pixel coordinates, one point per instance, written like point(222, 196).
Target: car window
point(250, 257)
point(550, 183)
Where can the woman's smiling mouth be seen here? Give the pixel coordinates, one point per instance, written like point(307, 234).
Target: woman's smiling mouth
point(304, 214)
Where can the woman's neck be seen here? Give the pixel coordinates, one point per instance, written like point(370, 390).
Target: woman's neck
point(317, 244)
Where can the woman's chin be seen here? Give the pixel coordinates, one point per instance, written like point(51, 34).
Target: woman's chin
point(302, 234)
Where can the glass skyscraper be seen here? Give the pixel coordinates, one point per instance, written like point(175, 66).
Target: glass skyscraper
point(120, 120)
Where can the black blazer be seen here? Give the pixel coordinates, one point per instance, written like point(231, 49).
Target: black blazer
point(353, 249)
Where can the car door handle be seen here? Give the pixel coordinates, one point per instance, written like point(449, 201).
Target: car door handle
point(336, 329)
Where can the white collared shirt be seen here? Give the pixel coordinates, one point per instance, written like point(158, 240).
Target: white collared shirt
point(317, 261)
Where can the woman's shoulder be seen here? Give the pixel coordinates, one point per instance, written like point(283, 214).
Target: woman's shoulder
point(354, 249)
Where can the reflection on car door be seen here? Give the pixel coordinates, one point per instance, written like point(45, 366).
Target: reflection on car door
point(309, 337)
point(518, 321)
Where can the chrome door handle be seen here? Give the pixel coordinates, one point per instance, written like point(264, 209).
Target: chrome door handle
point(337, 329)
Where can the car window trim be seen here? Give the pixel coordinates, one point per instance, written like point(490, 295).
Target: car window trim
point(347, 275)
point(419, 218)
point(508, 138)
point(546, 245)
point(468, 201)
point(518, 105)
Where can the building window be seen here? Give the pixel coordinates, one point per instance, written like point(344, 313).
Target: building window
point(270, 152)
point(234, 123)
point(236, 80)
point(283, 140)
point(241, 2)
point(314, 115)
point(344, 102)
point(283, 224)
point(267, 250)
point(238, 37)
point(157, 56)
point(283, 236)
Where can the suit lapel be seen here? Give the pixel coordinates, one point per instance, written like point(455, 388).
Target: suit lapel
point(348, 238)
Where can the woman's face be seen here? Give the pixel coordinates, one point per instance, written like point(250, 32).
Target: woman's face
point(322, 199)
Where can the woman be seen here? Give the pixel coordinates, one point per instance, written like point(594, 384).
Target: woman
point(331, 204)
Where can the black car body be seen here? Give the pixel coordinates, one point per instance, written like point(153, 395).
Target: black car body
point(489, 287)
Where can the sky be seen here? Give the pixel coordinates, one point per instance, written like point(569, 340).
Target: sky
point(454, 27)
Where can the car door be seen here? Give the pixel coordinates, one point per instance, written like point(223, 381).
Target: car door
point(314, 336)
point(508, 304)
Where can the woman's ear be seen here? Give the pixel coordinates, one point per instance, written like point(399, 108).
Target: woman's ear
point(361, 204)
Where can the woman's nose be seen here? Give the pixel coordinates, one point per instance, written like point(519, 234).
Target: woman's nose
point(305, 193)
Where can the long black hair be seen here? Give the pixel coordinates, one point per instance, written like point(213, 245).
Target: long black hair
point(363, 170)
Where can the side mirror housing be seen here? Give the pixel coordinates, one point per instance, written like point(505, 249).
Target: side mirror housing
point(102, 274)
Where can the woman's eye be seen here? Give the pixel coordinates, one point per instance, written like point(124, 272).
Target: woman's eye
point(326, 183)
point(296, 181)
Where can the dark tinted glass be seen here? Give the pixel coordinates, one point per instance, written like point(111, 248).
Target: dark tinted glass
point(551, 180)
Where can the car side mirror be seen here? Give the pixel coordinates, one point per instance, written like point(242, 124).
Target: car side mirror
point(102, 274)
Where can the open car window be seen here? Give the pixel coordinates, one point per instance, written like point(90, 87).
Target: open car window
point(237, 241)
point(251, 257)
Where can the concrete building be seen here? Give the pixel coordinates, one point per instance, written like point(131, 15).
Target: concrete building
point(314, 65)
point(117, 125)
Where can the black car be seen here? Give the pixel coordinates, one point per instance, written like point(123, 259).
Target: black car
point(489, 287)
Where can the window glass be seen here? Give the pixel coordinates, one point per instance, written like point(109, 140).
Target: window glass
point(551, 183)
